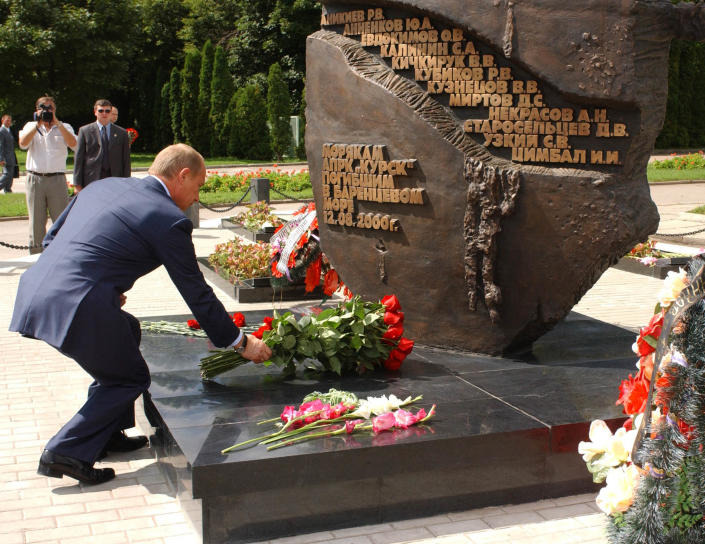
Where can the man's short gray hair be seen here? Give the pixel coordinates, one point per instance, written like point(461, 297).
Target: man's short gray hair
point(171, 160)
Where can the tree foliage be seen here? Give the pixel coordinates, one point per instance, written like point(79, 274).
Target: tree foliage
point(175, 103)
point(42, 51)
point(202, 140)
point(278, 111)
point(249, 135)
point(221, 92)
point(684, 125)
point(189, 96)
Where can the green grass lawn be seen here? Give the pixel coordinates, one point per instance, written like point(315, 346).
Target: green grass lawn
point(12, 205)
point(654, 175)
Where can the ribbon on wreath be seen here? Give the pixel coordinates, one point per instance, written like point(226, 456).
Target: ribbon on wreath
point(290, 235)
point(687, 297)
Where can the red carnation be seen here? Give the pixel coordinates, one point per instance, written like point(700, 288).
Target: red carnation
point(648, 336)
point(193, 324)
point(313, 275)
point(633, 393)
point(330, 282)
point(239, 319)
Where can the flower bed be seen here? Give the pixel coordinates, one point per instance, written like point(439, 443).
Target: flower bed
point(647, 259)
point(681, 162)
point(286, 182)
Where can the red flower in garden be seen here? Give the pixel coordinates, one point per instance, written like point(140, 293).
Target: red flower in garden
point(239, 319)
point(330, 282)
point(313, 274)
point(192, 323)
point(633, 393)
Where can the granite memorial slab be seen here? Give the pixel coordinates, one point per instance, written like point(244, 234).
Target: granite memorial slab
point(506, 431)
point(486, 160)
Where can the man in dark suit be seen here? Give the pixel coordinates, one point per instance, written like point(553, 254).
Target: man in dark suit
point(113, 232)
point(103, 149)
point(7, 154)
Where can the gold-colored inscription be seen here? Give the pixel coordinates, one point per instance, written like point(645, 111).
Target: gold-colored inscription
point(453, 67)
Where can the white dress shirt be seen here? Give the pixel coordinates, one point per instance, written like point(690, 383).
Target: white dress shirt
point(47, 152)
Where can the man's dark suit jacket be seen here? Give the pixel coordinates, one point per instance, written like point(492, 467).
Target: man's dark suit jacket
point(88, 159)
point(112, 233)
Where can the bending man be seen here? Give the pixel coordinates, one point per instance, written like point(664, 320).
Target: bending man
point(113, 232)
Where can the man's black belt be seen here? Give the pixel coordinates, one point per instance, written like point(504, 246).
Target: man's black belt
point(45, 175)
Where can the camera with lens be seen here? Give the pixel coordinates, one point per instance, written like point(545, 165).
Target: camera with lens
point(46, 115)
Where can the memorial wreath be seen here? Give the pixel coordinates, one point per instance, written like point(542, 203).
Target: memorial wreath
point(654, 465)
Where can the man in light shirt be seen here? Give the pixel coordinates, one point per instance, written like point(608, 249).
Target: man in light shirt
point(46, 140)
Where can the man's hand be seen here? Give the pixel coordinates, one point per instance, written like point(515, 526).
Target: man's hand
point(256, 350)
point(77, 189)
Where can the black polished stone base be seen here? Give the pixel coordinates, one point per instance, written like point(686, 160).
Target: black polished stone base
point(660, 269)
point(506, 431)
point(258, 289)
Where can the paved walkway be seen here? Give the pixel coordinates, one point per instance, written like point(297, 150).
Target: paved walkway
point(40, 389)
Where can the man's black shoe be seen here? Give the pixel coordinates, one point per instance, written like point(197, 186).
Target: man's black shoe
point(56, 466)
point(119, 441)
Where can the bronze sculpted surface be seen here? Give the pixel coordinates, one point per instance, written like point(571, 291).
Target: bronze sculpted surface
point(485, 160)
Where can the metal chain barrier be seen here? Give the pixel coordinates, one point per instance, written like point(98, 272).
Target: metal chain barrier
point(681, 234)
point(228, 208)
point(287, 196)
point(13, 246)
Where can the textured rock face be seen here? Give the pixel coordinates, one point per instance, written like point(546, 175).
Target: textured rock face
point(485, 160)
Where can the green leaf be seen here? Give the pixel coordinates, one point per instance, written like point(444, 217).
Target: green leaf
point(335, 364)
point(650, 340)
point(357, 327)
point(325, 314)
point(289, 341)
point(371, 318)
point(355, 342)
point(305, 321)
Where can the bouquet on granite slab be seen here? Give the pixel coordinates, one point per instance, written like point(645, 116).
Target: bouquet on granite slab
point(356, 336)
point(335, 413)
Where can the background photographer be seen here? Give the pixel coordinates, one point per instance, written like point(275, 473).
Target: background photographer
point(46, 140)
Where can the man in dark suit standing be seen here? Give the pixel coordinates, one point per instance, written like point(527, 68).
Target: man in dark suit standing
point(115, 231)
point(103, 149)
point(7, 154)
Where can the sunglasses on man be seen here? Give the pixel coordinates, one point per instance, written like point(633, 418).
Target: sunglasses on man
point(107, 110)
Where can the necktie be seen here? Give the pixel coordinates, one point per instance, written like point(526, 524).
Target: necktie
point(104, 159)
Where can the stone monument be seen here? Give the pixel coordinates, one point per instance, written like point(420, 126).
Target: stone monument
point(485, 160)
